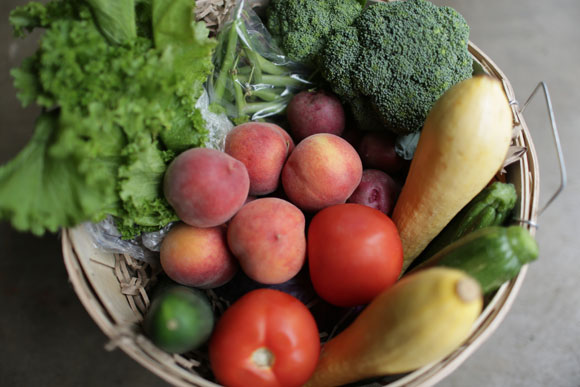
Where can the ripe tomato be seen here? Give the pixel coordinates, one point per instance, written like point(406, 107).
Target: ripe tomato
point(266, 338)
point(354, 253)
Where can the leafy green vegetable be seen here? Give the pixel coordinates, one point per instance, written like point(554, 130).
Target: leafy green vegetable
point(117, 112)
point(172, 20)
point(139, 183)
point(39, 191)
point(37, 15)
point(116, 19)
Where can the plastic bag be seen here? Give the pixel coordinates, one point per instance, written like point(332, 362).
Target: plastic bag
point(217, 124)
point(144, 248)
point(252, 77)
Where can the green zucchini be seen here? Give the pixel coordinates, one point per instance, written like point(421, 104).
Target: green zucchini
point(490, 207)
point(491, 255)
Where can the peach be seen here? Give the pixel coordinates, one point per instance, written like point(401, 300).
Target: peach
point(289, 141)
point(206, 187)
point(198, 257)
point(323, 170)
point(263, 150)
point(267, 237)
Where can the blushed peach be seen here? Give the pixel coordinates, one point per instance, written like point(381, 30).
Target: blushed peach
point(267, 237)
point(289, 141)
point(197, 257)
point(206, 187)
point(323, 170)
point(263, 150)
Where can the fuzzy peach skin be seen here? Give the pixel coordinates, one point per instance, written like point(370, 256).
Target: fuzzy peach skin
point(263, 150)
point(289, 141)
point(268, 238)
point(198, 257)
point(323, 170)
point(206, 187)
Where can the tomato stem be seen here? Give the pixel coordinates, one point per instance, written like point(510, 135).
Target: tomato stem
point(263, 357)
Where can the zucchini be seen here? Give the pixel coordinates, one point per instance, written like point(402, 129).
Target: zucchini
point(462, 145)
point(490, 207)
point(421, 319)
point(491, 255)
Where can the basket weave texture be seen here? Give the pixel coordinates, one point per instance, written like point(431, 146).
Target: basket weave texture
point(113, 287)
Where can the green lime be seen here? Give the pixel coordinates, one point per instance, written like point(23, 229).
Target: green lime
point(179, 319)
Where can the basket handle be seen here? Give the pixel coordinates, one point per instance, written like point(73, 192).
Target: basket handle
point(556, 137)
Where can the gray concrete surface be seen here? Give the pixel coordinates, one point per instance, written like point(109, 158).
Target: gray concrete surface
point(48, 339)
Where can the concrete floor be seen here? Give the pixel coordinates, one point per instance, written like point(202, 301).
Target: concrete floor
point(48, 339)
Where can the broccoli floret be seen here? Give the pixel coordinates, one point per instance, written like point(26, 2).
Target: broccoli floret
point(396, 60)
point(301, 26)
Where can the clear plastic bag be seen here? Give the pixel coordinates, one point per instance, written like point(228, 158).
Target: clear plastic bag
point(252, 78)
point(217, 124)
point(144, 248)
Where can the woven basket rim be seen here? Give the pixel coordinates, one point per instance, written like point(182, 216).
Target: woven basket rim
point(177, 370)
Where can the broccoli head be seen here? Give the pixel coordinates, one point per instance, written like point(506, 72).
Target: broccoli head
point(396, 60)
point(301, 26)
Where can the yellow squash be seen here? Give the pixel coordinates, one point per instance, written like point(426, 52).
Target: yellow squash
point(421, 319)
point(463, 144)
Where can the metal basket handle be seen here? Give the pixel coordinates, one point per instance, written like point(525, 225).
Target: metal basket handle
point(556, 137)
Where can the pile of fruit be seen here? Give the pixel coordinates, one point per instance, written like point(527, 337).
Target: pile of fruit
point(334, 259)
point(282, 215)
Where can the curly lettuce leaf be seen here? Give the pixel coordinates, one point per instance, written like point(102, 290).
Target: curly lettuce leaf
point(40, 192)
point(186, 42)
point(141, 187)
point(172, 22)
point(116, 19)
point(119, 113)
point(34, 15)
point(26, 81)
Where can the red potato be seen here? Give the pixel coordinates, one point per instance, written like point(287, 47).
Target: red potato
point(263, 149)
point(267, 236)
point(323, 170)
point(376, 190)
point(197, 257)
point(311, 112)
point(206, 187)
point(377, 151)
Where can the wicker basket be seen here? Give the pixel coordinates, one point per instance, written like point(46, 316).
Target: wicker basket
point(113, 287)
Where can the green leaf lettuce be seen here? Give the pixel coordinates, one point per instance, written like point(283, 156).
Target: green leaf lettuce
point(117, 109)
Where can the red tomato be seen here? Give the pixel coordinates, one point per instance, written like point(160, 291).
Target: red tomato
point(354, 253)
point(266, 338)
